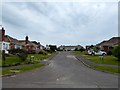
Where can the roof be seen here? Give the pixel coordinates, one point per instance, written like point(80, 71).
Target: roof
point(11, 40)
point(29, 43)
point(111, 42)
point(78, 46)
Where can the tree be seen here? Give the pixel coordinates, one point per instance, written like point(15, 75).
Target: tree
point(53, 47)
point(116, 52)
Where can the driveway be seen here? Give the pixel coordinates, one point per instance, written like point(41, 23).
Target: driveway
point(64, 71)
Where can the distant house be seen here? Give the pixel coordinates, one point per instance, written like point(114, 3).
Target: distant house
point(70, 48)
point(13, 43)
point(39, 46)
point(109, 44)
point(7, 42)
point(28, 45)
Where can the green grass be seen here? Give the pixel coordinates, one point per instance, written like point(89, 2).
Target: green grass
point(110, 60)
point(39, 56)
point(106, 60)
point(14, 59)
point(11, 60)
point(21, 69)
point(108, 69)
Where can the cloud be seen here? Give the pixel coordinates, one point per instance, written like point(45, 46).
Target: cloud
point(61, 22)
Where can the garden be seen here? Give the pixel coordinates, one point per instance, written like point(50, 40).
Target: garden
point(20, 60)
point(106, 61)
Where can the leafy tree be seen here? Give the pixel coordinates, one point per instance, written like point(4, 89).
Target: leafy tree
point(116, 52)
point(82, 49)
point(76, 49)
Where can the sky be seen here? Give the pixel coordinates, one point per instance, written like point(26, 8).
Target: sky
point(61, 23)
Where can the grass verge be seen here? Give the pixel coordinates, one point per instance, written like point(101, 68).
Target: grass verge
point(8, 71)
point(111, 60)
point(107, 69)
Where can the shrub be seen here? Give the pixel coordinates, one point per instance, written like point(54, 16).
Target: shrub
point(22, 54)
point(116, 52)
point(109, 53)
point(82, 49)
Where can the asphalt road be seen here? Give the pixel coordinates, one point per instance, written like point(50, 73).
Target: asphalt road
point(64, 71)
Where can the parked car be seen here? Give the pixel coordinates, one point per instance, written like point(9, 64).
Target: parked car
point(97, 53)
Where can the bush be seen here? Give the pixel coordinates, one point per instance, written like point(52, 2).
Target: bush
point(116, 52)
point(109, 53)
point(31, 52)
point(82, 49)
point(22, 54)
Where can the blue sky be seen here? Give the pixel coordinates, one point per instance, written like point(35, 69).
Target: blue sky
point(61, 23)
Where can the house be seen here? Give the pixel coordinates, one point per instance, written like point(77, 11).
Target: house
point(3, 44)
point(28, 45)
point(39, 45)
point(69, 48)
point(7, 42)
point(108, 45)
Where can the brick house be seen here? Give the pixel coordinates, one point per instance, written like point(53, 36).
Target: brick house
point(108, 45)
point(70, 48)
point(31, 46)
point(7, 42)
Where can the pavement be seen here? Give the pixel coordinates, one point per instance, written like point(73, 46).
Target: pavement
point(64, 71)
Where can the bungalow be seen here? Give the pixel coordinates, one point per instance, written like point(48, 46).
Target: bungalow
point(7, 42)
point(31, 46)
point(70, 48)
point(108, 45)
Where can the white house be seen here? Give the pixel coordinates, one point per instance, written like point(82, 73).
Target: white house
point(4, 46)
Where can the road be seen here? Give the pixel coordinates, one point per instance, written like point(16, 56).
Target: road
point(64, 71)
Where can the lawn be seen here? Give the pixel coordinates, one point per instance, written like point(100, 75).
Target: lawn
point(12, 60)
point(15, 60)
point(106, 60)
point(110, 60)
point(39, 56)
point(11, 70)
point(108, 69)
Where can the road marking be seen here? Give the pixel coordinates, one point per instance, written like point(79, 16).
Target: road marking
point(71, 56)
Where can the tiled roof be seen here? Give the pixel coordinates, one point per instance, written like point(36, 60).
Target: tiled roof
point(29, 43)
point(111, 42)
point(11, 40)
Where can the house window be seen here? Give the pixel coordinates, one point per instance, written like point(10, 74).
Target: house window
point(3, 45)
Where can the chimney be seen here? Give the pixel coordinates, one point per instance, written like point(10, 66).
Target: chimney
point(26, 40)
point(3, 34)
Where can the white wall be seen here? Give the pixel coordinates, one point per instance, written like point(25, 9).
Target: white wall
point(4, 46)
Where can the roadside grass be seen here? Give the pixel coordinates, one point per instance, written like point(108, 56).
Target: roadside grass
point(111, 60)
point(29, 64)
point(108, 69)
point(39, 56)
point(15, 60)
point(20, 69)
point(108, 59)
point(11, 60)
